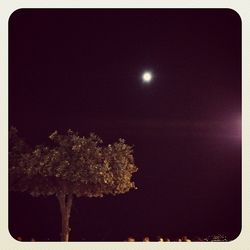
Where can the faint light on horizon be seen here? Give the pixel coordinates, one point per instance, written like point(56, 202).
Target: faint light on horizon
point(233, 129)
point(238, 128)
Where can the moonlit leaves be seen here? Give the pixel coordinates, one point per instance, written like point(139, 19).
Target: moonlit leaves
point(78, 165)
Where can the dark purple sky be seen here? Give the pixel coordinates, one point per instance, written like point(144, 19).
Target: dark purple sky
point(81, 69)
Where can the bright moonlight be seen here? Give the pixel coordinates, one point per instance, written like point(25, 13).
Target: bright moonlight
point(147, 77)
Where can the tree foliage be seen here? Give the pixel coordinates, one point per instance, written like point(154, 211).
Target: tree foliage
point(71, 166)
point(17, 149)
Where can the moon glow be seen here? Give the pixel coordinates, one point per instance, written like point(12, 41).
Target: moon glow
point(147, 77)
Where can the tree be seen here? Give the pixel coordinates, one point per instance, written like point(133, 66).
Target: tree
point(17, 148)
point(72, 166)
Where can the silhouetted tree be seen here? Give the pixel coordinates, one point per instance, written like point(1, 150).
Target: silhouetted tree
point(73, 166)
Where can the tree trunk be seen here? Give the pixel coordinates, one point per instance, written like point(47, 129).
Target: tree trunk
point(65, 201)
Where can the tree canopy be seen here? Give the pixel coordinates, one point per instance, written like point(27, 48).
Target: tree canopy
point(73, 165)
point(70, 166)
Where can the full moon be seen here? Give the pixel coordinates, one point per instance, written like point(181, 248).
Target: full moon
point(147, 77)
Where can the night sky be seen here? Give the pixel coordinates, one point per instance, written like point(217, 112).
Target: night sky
point(82, 69)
